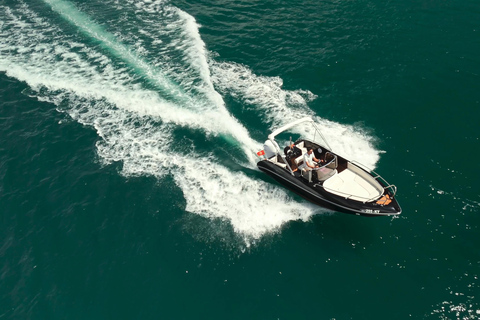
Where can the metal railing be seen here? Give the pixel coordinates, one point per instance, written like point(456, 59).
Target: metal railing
point(376, 176)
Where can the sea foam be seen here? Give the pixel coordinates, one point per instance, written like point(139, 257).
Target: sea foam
point(107, 88)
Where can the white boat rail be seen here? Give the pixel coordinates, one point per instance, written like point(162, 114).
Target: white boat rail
point(376, 176)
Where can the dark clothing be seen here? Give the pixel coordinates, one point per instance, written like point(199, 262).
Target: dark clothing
point(292, 153)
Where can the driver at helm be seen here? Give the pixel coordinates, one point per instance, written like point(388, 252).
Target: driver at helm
point(309, 160)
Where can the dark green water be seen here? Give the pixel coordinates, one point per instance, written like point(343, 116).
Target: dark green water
point(128, 186)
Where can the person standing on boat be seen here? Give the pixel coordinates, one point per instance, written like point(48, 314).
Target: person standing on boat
point(309, 160)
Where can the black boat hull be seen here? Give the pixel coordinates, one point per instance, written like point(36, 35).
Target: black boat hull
point(319, 196)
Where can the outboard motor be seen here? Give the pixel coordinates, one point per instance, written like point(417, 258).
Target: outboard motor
point(269, 149)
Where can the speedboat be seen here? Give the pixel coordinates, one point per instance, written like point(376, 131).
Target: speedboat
point(335, 183)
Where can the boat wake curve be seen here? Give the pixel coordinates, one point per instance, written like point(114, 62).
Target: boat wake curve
point(137, 101)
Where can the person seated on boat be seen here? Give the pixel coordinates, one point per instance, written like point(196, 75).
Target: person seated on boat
point(309, 160)
point(292, 152)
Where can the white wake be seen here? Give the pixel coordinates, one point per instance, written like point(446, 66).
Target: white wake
point(113, 89)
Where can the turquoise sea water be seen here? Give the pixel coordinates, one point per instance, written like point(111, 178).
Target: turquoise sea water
point(128, 184)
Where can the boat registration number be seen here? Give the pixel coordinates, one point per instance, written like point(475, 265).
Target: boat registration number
point(371, 211)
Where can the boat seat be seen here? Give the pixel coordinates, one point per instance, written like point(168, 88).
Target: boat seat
point(274, 160)
point(301, 146)
point(306, 174)
point(299, 160)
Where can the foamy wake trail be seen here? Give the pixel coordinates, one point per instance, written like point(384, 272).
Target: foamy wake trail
point(175, 39)
point(145, 147)
point(106, 90)
point(253, 207)
point(278, 107)
point(48, 43)
point(136, 125)
point(186, 45)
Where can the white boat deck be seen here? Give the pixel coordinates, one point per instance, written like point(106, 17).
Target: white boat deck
point(351, 185)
